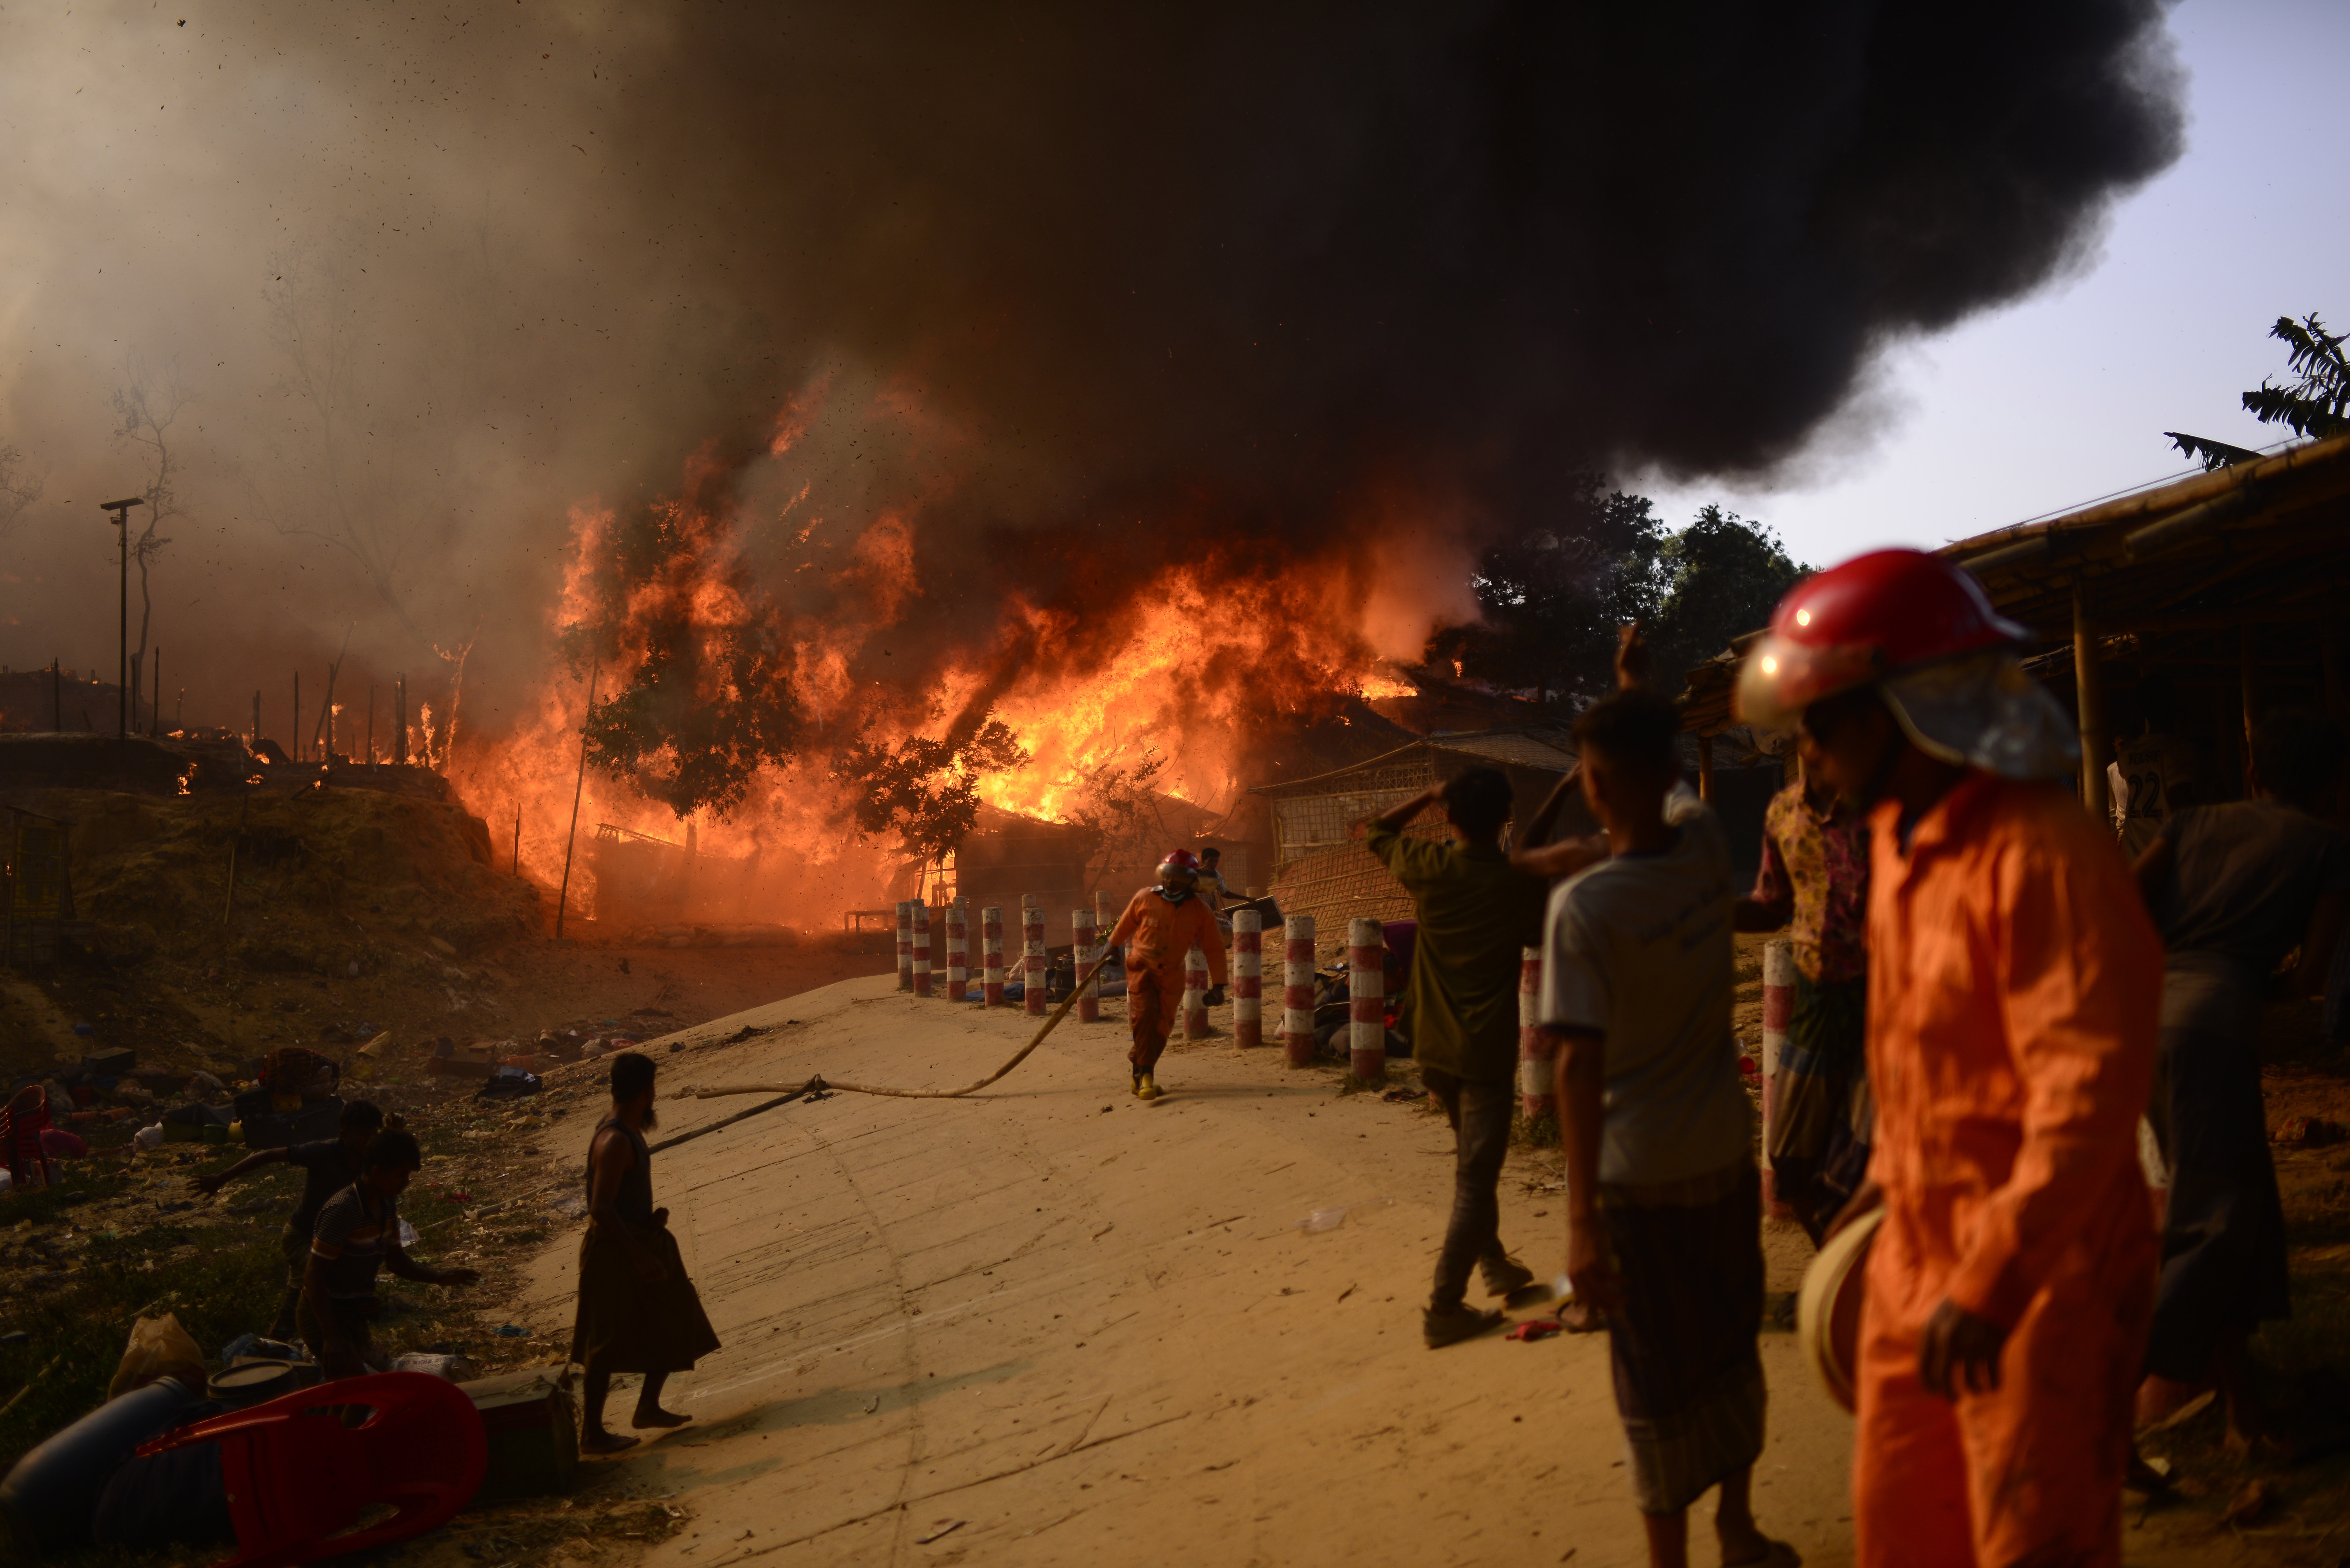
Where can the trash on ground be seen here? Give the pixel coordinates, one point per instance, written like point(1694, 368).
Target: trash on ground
point(511, 1331)
point(1322, 1220)
point(2310, 1132)
point(940, 1530)
point(1534, 1328)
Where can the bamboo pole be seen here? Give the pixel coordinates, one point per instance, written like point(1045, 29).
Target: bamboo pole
point(562, 897)
point(2088, 685)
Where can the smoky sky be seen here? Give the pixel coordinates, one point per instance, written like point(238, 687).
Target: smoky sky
point(1130, 275)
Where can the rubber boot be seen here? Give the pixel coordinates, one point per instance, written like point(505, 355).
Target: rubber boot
point(1138, 1083)
point(1147, 1088)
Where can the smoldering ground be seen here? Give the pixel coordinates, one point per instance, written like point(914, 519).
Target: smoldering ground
point(1068, 288)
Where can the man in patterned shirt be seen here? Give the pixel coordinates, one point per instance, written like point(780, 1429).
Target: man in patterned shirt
point(1814, 878)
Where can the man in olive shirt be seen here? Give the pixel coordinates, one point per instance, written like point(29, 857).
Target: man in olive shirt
point(1477, 914)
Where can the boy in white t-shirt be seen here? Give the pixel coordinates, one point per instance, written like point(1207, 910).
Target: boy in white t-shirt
point(1664, 1201)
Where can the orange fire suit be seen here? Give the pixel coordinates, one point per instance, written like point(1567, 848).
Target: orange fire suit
point(1159, 936)
point(2014, 992)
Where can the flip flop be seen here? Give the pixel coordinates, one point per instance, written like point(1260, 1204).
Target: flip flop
point(663, 1420)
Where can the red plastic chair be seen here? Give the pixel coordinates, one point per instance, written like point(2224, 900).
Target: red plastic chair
point(21, 1125)
point(298, 1479)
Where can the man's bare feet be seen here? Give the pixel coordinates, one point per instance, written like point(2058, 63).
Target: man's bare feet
point(657, 1417)
point(603, 1442)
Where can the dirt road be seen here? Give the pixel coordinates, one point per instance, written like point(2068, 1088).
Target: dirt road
point(1080, 1329)
point(1050, 1324)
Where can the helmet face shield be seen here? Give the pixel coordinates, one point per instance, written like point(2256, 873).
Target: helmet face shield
point(1984, 710)
point(1779, 677)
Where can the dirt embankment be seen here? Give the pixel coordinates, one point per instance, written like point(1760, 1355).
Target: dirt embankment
point(353, 911)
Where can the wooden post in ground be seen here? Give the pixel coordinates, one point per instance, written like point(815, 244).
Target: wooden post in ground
point(1082, 937)
point(991, 956)
point(571, 838)
point(2251, 701)
point(1032, 949)
point(1367, 1022)
point(2088, 685)
point(1248, 978)
point(1297, 990)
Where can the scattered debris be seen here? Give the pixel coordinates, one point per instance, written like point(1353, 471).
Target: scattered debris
point(944, 1528)
point(2251, 1504)
point(1323, 1219)
point(2309, 1132)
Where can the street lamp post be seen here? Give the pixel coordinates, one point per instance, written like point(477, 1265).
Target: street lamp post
point(121, 510)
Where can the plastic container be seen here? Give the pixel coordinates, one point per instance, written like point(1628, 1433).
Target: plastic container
point(255, 1382)
point(53, 1491)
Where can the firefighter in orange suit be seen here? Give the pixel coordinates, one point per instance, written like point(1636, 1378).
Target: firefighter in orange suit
point(2014, 993)
point(1161, 927)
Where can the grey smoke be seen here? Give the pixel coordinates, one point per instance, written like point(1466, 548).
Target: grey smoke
point(1098, 287)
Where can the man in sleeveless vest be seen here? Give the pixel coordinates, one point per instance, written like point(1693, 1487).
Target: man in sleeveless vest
point(638, 1312)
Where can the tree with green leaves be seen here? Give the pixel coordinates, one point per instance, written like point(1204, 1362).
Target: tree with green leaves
point(1720, 576)
point(1553, 597)
point(926, 791)
point(2316, 403)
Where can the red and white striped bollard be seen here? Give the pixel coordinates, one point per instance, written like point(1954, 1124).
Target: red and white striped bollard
point(957, 950)
point(923, 949)
point(991, 957)
point(905, 944)
point(1248, 978)
point(1537, 1052)
point(1367, 1025)
point(1195, 994)
point(1297, 990)
point(1032, 947)
point(1778, 1012)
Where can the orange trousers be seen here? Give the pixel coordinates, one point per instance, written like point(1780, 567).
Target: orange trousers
point(1153, 997)
point(2030, 1475)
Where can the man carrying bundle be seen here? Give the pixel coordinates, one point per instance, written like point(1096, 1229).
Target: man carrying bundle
point(1161, 927)
point(638, 1312)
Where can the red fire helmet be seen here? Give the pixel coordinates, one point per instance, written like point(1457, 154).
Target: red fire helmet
point(1179, 863)
point(1875, 617)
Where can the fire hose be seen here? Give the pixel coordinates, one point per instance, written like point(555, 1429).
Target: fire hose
point(786, 1093)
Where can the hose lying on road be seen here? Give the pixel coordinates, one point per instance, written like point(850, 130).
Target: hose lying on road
point(786, 1093)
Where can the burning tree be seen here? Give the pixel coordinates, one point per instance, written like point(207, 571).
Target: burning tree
point(700, 655)
point(927, 790)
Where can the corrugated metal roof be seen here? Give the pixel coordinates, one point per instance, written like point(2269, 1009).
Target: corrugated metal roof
point(1540, 750)
point(1514, 748)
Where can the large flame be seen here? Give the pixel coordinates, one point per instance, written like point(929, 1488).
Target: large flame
point(1190, 666)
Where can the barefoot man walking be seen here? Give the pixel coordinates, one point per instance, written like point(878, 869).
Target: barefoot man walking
point(638, 1312)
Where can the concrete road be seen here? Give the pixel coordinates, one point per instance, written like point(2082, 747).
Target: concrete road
point(1050, 1324)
